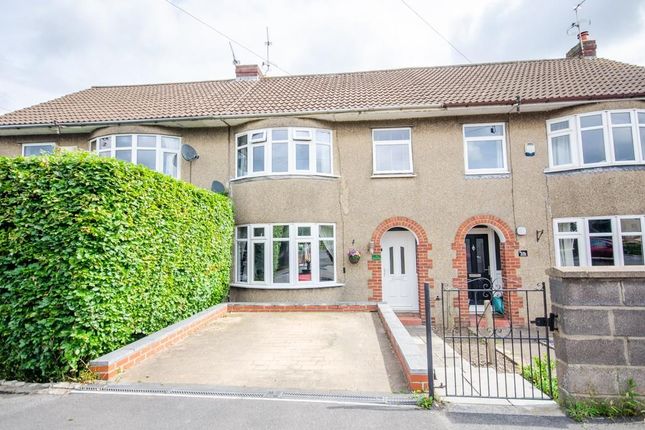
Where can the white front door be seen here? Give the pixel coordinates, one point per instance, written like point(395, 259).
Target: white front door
point(399, 265)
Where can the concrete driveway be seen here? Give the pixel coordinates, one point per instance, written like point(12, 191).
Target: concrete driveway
point(297, 350)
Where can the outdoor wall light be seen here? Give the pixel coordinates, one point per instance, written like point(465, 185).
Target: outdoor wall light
point(370, 247)
point(529, 149)
point(521, 231)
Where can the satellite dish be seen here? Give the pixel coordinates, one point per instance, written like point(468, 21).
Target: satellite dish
point(218, 187)
point(188, 152)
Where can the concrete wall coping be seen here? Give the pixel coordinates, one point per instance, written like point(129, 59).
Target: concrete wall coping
point(156, 337)
point(626, 272)
point(415, 360)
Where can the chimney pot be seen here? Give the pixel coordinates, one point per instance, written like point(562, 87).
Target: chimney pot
point(587, 50)
point(247, 72)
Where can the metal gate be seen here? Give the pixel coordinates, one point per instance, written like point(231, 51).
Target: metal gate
point(496, 342)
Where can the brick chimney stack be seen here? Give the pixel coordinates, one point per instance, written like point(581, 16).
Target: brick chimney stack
point(247, 72)
point(588, 49)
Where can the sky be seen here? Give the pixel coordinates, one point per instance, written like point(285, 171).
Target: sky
point(55, 47)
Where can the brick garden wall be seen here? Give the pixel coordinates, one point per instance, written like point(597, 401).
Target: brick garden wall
point(600, 341)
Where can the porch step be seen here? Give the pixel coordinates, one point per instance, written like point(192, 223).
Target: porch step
point(409, 318)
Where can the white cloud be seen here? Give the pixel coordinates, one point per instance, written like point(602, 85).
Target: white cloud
point(59, 46)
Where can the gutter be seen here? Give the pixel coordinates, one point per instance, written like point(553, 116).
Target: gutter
point(385, 109)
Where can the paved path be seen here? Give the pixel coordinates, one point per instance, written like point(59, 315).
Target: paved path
point(309, 351)
point(124, 412)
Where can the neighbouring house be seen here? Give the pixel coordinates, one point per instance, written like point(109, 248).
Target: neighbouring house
point(434, 174)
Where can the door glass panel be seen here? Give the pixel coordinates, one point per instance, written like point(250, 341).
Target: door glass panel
point(258, 262)
point(593, 146)
point(326, 260)
point(633, 250)
point(304, 261)
point(402, 261)
point(623, 143)
point(147, 158)
point(242, 261)
point(281, 262)
point(602, 250)
point(391, 260)
point(569, 252)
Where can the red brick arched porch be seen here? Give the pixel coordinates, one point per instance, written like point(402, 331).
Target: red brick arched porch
point(508, 254)
point(424, 263)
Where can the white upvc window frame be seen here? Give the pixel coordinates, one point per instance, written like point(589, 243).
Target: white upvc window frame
point(570, 131)
point(575, 138)
point(134, 147)
point(294, 282)
point(496, 171)
point(267, 143)
point(407, 143)
point(584, 238)
point(31, 144)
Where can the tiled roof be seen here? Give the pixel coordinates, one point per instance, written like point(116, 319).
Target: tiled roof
point(465, 85)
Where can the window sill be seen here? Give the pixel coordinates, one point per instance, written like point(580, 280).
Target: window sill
point(596, 167)
point(286, 286)
point(318, 176)
point(488, 175)
point(393, 175)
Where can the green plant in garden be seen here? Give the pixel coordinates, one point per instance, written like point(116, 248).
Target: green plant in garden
point(538, 374)
point(95, 253)
point(629, 404)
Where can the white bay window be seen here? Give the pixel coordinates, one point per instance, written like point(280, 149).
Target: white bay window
point(156, 152)
point(597, 139)
point(284, 151)
point(285, 255)
point(599, 241)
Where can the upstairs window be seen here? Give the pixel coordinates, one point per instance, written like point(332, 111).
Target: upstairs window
point(31, 149)
point(284, 151)
point(485, 148)
point(392, 151)
point(156, 152)
point(599, 241)
point(597, 139)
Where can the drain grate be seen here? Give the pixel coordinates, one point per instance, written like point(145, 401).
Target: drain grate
point(287, 395)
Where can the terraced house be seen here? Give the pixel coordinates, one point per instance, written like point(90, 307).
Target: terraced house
point(438, 174)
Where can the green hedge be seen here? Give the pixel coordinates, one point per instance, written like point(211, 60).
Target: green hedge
point(95, 253)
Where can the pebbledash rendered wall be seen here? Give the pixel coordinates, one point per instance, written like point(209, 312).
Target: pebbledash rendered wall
point(440, 201)
point(600, 340)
